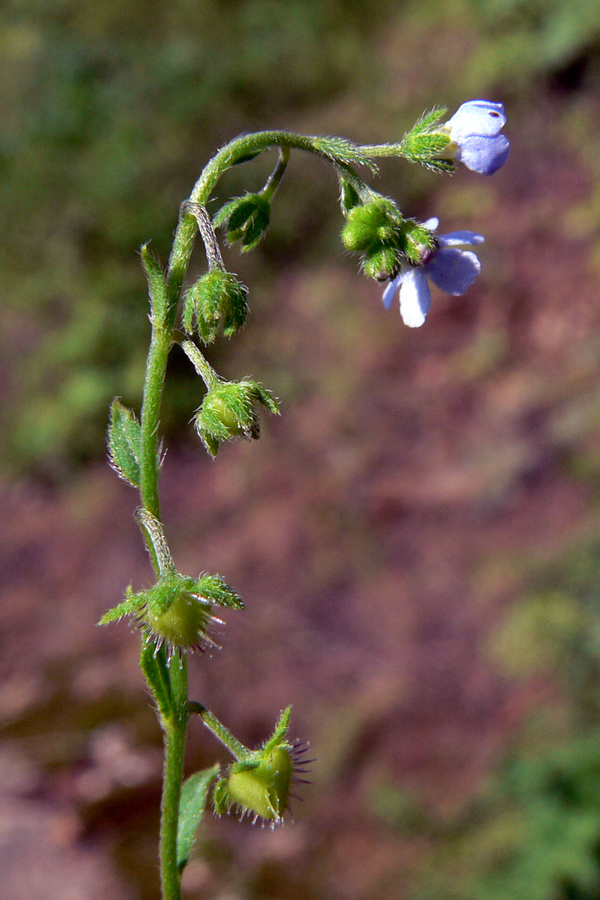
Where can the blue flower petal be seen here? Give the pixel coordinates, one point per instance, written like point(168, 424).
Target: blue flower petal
point(482, 154)
point(390, 291)
point(431, 224)
point(480, 117)
point(454, 238)
point(415, 298)
point(453, 271)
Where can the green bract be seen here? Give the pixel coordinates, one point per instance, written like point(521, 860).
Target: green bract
point(246, 219)
point(124, 443)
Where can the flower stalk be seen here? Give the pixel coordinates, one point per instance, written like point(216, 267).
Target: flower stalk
point(175, 614)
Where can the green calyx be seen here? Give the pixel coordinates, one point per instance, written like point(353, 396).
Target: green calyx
point(258, 788)
point(230, 411)
point(428, 143)
point(259, 783)
point(246, 219)
point(216, 303)
point(178, 610)
point(185, 622)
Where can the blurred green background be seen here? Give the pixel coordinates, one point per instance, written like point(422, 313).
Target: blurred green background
point(416, 539)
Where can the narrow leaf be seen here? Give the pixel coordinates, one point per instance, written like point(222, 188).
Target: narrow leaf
point(214, 589)
point(156, 286)
point(192, 804)
point(154, 667)
point(124, 435)
point(130, 606)
point(281, 727)
point(268, 400)
point(428, 120)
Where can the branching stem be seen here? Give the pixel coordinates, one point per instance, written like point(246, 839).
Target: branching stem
point(173, 696)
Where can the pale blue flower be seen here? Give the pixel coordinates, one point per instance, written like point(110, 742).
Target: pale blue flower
point(475, 133)
point(450, 269)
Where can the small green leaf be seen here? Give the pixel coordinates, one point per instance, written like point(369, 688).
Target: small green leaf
point(192, 804)
point(124, 435)
point(281, 727)
point(215, 590)
point(266, 398)
point(156, 286)
point(428, 120)
point(154, 666)
point(128, 607)
point(349, 197)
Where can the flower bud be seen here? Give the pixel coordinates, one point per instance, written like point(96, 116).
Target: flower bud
point(371, 225)
point(246, 219)
point(217, 302)
point(385, 239)
point(418, 242)
point(229, 411)
point(381, 264)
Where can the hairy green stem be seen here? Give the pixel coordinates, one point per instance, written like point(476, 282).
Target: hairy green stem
point(174, 739)
point(173, 702)
point(277, 174)
point(236, 151)
point(250, 144)
point(234, 746)
point(382, 150)
point(202, 367)
point(209, 238)
point(175, 724)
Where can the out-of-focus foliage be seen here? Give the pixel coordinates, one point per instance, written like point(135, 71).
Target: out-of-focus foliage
point(538, 836)
point(534, 37)
point(109, 111)
point(534, 832)
point(556, 629)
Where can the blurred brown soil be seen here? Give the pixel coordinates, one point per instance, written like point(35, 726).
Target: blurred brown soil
point(376, 533)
